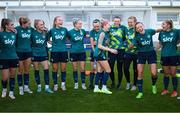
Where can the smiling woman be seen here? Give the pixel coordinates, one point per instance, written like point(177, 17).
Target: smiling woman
point(8, 57)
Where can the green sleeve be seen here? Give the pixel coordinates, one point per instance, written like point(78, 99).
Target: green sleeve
point(152, 31)
point(84, 32)
point(91, 34)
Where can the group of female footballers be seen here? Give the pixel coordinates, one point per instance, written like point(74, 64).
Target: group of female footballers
point(23, 45)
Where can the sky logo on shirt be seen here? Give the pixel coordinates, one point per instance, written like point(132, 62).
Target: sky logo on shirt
point(25, 35)
point(78, 38)
point(10, 42)
point(146, 42)
point(167, 39)
point(61, 37)
point(39, 41)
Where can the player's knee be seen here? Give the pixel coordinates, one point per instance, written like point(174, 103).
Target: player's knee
point(55, 68)
point(154, 73)
point(173, 73)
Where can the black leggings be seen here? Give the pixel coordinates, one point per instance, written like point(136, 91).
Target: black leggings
point(128, 58)
point(112, 59)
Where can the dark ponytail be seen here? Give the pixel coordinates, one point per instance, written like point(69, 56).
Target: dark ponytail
point(4, 22)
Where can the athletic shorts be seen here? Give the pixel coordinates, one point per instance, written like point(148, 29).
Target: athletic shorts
point(24, 55)
point(78, 57)
point(150, 57)
point(59, 57)
point(39, 58)
point(169, 61)
point(9, 63)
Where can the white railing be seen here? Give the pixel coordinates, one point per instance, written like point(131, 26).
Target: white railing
point(46, 3)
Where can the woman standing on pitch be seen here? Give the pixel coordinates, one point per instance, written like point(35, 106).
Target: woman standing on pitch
point(94, 35)
point(77, 52)
point(59, 53)
point(40, 54)
point(23, 48)
point(117, 38)
point(103, 67)
point(147, 53)
point(8, 57)
point(168, 39)
point(130, 53)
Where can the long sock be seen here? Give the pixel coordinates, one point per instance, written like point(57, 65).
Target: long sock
point(97, 78)
point(54, 74)
point(175, 83)
point(154, 79)
point(26, 79)
point(105, 78)
point(101, 78)
point(140, 85)
point(46, 76)
point(91, 78)
point(20, 79)
point(83, 77)
point(37, 76)
point(75, 75)
point(166, 82)
point(63, 76)
point(11, 84)
point(4, 84)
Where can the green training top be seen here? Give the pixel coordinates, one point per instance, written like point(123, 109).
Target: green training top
point(23, 42)
point(117, 37)
point(39, 44)
point(130, 39)
point(76, 38)
point(95, 35)
point(7, 45)
point(59, 37)
point(102, 53)
point(144, 41)
point(168, 40)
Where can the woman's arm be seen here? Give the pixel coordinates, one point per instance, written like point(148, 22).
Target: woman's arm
point(158, 30)
point(100, 46)
point(92, 43)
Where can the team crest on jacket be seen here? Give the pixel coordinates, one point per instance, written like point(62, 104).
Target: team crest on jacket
point(29, 31)
point(171, 34)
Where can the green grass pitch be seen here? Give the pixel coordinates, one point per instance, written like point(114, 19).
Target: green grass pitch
point(85, 100)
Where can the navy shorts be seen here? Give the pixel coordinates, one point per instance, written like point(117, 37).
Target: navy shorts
point(39, 58)
point(150, 57)
point(24, 55)
point(78, 57)
point(59, 57)
point(178, 60)
point(9, 63)
point(100, 58)
point(169, 61)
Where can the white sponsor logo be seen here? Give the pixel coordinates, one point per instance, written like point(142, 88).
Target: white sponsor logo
point(167, 39)
point(59, 37)
point(39, 41)
point(78, 38)
point(8, 41)
point(25, 35)
point(147, 42)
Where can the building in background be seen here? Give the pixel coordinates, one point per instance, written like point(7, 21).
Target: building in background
point(150, 12)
